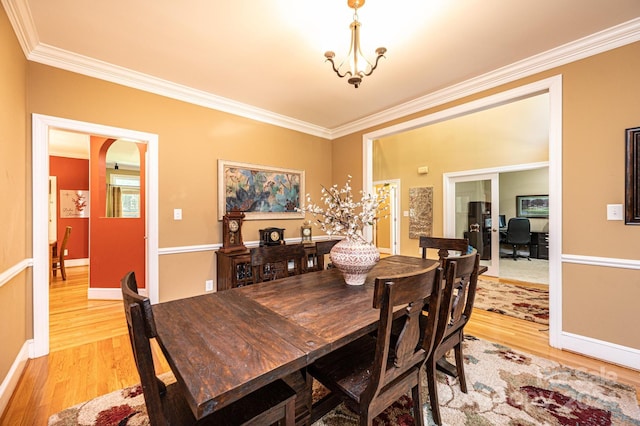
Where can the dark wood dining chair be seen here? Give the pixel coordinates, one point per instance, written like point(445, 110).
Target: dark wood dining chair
point(371, 373)
point(272, 262)
point(166, 404)
point(322, 248)
point(444, 246)
point(57, 260)
point(461, 274)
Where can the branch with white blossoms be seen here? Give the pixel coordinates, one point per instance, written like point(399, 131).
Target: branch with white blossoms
point(341, 215)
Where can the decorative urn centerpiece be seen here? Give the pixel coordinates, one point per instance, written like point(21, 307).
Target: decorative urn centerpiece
point(354, 256)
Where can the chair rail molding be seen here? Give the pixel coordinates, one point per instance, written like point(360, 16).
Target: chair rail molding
point(9, 274)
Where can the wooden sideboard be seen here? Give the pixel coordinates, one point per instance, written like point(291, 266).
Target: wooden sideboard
point(234, 269)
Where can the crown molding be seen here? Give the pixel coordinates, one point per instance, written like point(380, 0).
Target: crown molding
point(21, 20)
point(60, 58)
point(620, 35)
point(23, 25)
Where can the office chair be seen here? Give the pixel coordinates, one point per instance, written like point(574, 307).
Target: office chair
point(518, 234)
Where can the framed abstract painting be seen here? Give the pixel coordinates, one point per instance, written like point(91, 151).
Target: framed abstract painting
point(261, 192)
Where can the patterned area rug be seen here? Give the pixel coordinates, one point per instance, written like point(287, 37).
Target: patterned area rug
point(528, 303)
point(505, 388)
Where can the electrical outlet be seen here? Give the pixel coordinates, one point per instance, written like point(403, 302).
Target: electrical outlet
point(208, 285)
point(177, 214)
point(66, 252)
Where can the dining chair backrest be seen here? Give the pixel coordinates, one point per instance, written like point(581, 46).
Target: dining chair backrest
point(142, 328)
point(444, 246)
point(463, 283)
point(461, 279)
point(272, 262)
point(414, 343)
point(57, 261)
point(323, 248)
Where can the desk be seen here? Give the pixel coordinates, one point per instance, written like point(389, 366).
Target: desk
point(224, 345)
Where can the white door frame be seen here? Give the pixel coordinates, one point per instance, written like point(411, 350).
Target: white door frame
point(41, 124)
point(449, 196)
point(394, 211)
point(449, 210)
point(552, 86)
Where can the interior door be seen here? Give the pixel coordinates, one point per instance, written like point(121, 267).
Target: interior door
point(385, 231)
point(472, 212)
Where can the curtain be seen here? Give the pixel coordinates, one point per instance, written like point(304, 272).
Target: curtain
point(114, 201)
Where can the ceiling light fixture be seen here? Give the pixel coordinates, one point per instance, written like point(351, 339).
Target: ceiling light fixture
point(359, 66)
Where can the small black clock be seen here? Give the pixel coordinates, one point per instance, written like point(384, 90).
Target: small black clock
point(271, 236)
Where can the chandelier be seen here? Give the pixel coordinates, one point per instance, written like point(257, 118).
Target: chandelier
point(355, 65)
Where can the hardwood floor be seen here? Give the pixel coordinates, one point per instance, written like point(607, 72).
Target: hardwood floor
point(92, 354)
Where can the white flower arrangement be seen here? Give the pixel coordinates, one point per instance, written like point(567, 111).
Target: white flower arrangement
point(342, 215)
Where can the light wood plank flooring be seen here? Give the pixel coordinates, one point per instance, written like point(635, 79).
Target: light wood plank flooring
point(92, 354)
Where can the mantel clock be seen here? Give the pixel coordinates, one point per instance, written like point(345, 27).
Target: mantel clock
point(232, 232)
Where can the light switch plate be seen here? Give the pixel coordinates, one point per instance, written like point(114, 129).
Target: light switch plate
point(614, 211)
point(177, 214)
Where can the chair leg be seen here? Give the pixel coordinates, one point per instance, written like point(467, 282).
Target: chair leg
point(457, 349)
point(433, 390)
point(416, 395)
point(63, 271)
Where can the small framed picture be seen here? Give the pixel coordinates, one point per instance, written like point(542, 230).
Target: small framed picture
point(532, 206)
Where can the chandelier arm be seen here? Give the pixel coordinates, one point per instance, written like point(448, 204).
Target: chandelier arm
point(336, 70)
point(374, 65)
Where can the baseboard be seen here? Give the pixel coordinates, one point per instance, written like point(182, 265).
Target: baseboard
point(11, 380)
point(606, 351)
point(70, 263)
point(109, 293)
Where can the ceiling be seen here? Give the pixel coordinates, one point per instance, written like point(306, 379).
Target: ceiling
point(264, 59)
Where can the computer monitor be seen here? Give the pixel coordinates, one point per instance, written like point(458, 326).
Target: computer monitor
point(502, 220)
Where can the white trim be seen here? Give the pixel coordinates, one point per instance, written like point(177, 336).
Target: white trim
point(72, 263)
point(110, 293)
point(40, 170)
point(13, 376)
point(606, 351)
point(501, 169)
point(59, 58)
point(552, 85)
point(611, 38)
point(606, 262)
point(449, 180)
point(16, 269)
point(188, 249)
point(25, 30)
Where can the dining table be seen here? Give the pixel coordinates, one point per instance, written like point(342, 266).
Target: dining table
point(224, 345)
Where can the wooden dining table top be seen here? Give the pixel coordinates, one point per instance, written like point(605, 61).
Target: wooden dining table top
point(222, 346)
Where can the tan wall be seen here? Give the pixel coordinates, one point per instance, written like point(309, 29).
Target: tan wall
point(599, 102)
point(191, 140)
point(15, 307)
point(510, 134)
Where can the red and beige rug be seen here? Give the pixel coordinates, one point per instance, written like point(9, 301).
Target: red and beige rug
point(527, 303)
point(505, 388)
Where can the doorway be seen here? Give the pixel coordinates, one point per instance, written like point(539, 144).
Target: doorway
point(471, 202)
point(41, 124)
point(551, 86)
point(387, 227)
